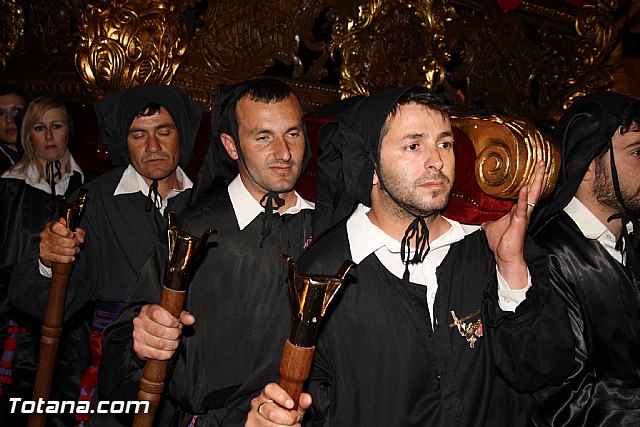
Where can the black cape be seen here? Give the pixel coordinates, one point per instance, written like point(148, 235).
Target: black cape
point(379, 361)
point(24, 211)
point(604, 309)
point(120, 235)
point(231, 294)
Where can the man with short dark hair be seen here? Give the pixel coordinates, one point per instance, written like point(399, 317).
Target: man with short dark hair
point(591, 229)
point(245, 190)
point(150, 131)
point(441, 324)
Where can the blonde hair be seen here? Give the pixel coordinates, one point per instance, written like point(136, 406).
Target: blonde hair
point(37, 108)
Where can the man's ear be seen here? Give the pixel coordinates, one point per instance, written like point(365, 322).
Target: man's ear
point(375, 178)
point(229, 145)
point(590, 174)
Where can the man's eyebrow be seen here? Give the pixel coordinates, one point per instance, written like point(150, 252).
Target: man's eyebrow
point(258, 131)
point(445, 134)
point(160, 126)
point(414, 135)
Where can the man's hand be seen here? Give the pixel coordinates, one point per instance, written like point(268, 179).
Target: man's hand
point(506, 236)
point(274, 407)
point(59, 244)
point(156, 333)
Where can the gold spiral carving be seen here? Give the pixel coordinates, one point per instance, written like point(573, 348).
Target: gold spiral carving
point(507, 151)
point(13, 28)
point(130, 43)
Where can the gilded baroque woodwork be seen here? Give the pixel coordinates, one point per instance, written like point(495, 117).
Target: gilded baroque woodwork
point(12, 28)
point(533, 62)
point(530, 62)
point(130, 43)
point(507, 151)
point(392, 43)
point(241, 40)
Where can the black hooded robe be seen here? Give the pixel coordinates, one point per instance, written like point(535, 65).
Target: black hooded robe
point(232, 294)
point(604, 389)
point(602, 295)
point(24, 210)
point(379, 361)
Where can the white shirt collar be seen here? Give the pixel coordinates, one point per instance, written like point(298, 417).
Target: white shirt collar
point(246, 208)
point(591, 227)
point(132, 182)
point(31, 177)
point(366, 238)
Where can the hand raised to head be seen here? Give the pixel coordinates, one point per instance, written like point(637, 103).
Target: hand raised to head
point(506, 236)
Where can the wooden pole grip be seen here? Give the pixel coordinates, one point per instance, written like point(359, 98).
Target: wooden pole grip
point(155, 371)
point(51, 332)
point(294, 369)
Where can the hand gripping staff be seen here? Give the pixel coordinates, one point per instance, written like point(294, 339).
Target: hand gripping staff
point(309, 303)
point(69, 215)
point(184, 250)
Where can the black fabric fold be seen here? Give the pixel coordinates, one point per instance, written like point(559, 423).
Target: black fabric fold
point(583, 133)
point(348, 147)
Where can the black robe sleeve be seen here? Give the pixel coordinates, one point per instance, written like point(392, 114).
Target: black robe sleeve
point(532, 346)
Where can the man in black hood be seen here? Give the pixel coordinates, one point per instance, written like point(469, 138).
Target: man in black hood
point(150, 132)
point(440, 324)
point(590, 226)
point(245, 190)
point(13, 103)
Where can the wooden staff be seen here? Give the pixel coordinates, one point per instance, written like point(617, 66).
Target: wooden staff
point(309, 305)
point(183, 250)
point(51, 330)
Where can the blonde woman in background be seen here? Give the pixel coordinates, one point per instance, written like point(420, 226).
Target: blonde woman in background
point(27, 203)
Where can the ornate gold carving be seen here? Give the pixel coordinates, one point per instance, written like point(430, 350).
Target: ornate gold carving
point(131, 43)
point(239, 40)
point(530, 63)
point(12, 24)
point(507, 152)
point(392, 43)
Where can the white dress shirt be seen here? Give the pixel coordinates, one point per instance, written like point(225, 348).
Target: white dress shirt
point(366, 238)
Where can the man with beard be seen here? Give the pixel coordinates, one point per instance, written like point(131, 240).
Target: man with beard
point(441, 323)
point(245, 190)
point(590, 226)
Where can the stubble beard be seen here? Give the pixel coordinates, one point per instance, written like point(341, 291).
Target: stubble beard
point(605, 194)
point(404, 200)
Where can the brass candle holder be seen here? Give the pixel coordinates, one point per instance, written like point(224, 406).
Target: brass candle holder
point(309, 303)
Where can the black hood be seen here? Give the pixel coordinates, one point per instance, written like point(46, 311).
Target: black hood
point(116, 112)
